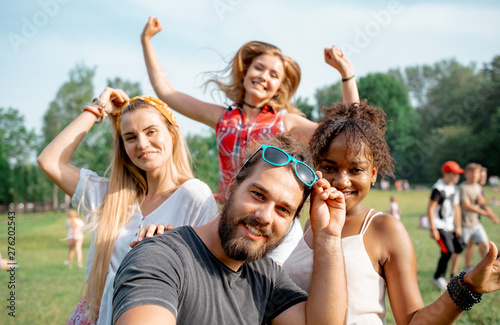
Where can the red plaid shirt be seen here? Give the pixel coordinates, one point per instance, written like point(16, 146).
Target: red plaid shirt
point(233, 135)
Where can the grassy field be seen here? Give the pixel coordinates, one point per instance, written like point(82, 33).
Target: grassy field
point(46, 291)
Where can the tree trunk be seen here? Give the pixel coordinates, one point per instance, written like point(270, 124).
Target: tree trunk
point(55, 204)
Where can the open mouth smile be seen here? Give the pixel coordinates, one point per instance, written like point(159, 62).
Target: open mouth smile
point(147, 154)
point(253, 232)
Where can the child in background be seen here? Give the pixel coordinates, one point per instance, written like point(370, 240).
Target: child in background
point(6, 263)
point(75, 238)
point(394, 208)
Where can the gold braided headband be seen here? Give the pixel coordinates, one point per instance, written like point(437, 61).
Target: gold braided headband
point(153, 101)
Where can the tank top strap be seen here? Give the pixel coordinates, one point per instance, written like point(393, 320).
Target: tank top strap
point(367, 221)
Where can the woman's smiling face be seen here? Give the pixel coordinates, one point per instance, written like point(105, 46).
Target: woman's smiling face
point(263, 78)
point(146, 138)
point(351, 173)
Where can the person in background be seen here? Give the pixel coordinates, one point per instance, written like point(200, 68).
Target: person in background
point(394, 208)
point(6, 264)
point(445, 220)
point(481, 202)
point(75, 238)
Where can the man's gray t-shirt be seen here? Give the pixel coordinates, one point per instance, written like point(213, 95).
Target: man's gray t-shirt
point(178, 272)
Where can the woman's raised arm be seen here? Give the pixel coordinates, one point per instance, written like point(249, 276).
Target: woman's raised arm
point(55, 159)
point(335, 58)
point(191, 107)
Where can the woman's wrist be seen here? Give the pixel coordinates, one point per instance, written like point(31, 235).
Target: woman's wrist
point(97, 111)
point(346, 79)
point(346, 73)
point(468, 283)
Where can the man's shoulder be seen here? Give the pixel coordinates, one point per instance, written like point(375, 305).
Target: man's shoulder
point(439, 185)
point(172, 242)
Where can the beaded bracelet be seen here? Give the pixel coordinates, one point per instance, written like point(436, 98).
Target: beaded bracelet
point(461, 295)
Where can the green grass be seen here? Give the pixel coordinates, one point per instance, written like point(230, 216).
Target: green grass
point(412, 205)
point(47, 291)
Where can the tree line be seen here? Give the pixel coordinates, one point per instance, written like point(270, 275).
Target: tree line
point(444, 111)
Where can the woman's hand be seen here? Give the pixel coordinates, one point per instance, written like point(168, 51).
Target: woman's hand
point(335, 57)
point(153, 26)
point(327, 209)
point(150, 231)
point(113, 99)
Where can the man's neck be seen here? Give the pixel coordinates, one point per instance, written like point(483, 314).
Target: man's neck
point(209, 235)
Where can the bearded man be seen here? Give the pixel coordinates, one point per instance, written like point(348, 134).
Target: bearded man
point(218, 273)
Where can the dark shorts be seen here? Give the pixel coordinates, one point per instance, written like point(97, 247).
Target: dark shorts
point(452, 243)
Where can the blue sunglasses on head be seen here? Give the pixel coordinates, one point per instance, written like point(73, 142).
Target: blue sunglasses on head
point(277, 157)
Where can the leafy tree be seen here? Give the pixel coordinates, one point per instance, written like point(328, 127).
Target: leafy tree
point(384, 91)
point(453, 100)
point(203, 150)
point(306, 108)
point(18, 142)
point(328, 95)
point(72, 95)
point(16, 149)
point(488, 125)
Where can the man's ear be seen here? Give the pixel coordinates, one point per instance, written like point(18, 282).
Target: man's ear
point(230, 188)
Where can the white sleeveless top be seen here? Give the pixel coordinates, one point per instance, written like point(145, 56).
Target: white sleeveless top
point(366, 289)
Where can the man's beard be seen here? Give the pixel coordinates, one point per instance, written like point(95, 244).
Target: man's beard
point(240, 248)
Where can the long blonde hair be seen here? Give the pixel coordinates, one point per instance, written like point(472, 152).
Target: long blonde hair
point(127, 186)
point(237, 69)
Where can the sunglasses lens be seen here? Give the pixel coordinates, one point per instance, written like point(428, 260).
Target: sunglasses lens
point(275, 156)
point(305, 173)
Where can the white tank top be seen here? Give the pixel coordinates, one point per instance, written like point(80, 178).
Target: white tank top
point(365, 287)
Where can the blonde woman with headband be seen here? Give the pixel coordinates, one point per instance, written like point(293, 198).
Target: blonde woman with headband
point(151, 182)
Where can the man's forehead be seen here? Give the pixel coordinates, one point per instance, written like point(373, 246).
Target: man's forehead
point(276, 180)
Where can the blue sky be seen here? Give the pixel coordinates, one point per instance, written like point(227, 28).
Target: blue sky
point(41, 41)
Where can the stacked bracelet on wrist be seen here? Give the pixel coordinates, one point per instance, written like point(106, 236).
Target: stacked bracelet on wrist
point(97, 108)
point(347, 79)
point(461, 295)
point(101, 115)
